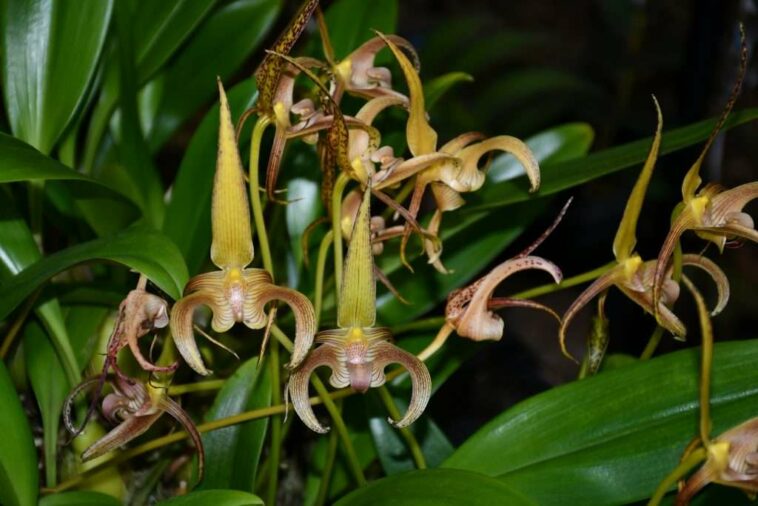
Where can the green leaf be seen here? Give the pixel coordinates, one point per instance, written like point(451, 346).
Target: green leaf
point(471, 241)
point(304, 208)
point(18, 251)
point(214, 497)
point(611, 439)
point(566, 174)
point(50, 388)
point(391, 447)
point(18, 457)
point(22, 162)
point(188, 215)
point(146, 251)
point(50, 51)
point(436, 487)
point(83, 498)
point(351, 23)
point(218, 48)
point(437, 87)
point(232, 453)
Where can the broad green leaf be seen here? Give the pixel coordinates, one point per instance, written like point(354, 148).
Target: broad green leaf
point(159, 29)
point(83, 498)
point(351, 23)
point(219, 46)
point(215, 498)
point(50, 51)
point(146, 251)
point(83, 323)
point(303, 209)
point(437, 87)
point(471, 241)
point(22, 162)
point(232, 453)
point(133, 152)
point(18, 457)
point(436, 487)
point(566, 174)
point(50, 388)
point(18, 251)
point(611, 438)
point(188, 215)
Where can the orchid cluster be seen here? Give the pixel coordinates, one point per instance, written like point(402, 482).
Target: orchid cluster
point(359, 169)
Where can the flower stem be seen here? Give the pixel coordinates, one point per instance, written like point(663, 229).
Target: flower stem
point(200, 386)
point(566, 283)
point(652, 343)
point(255, 194)
point(405, 432)
point(323, 250)
point(679, 471)
point(706, 362)
point(339, 189)
point(276, 427)
point(326, 475)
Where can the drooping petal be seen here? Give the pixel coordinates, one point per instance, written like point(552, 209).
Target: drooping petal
point(724, 205)
point(626, 239)
point(501, 302)
point(297, 388)
point(357, 301)
point(601, 284)
point(458, 143)
point(170, 406)
point(232, 245)
point(361, 77)
point(130, 428)
point(715, 272)
point(409, 168)
point(471, 178)
point(666, 318)
point(305, 318)
point(684, 221)
point(182, 331)
point(387, 353)
point(422, 139)
point(479, 323)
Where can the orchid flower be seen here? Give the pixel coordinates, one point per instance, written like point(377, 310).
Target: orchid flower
point(633, 276)
point(357, 352)
point(134, 407)
point(732, 460)
point(713, 213)
point(452, 169)
point(235, 293)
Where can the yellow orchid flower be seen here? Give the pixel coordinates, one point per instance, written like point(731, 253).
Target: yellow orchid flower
point(235, 293)
point(713, 213)
point(357, 352)
point(633, 276)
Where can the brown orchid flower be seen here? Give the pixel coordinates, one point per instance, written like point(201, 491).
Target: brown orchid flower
point(357, 352)
point(138, 314)
point(732, 460)
point(235, 293)
point(633, 276)
point(134, 407)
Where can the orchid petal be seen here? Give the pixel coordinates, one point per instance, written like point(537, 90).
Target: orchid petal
point(458, 143)
point(446, 198)
point(471, 178)
point(477, 322)
point(683, 222)
point(182, 329)
point(297, 388)
point(715, 272)
point(601, 284)
point(411, 167)
point(422, 139)
point(305, 318)
point(267, 75)
point(357, 301)
point(666, 318)
point(232, 245)
point(170, 406)
point(387, 353)
point(623, 244)
point(501, 302)
point(130, 428)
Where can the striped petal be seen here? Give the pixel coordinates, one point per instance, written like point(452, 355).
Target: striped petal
point(297, 388)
